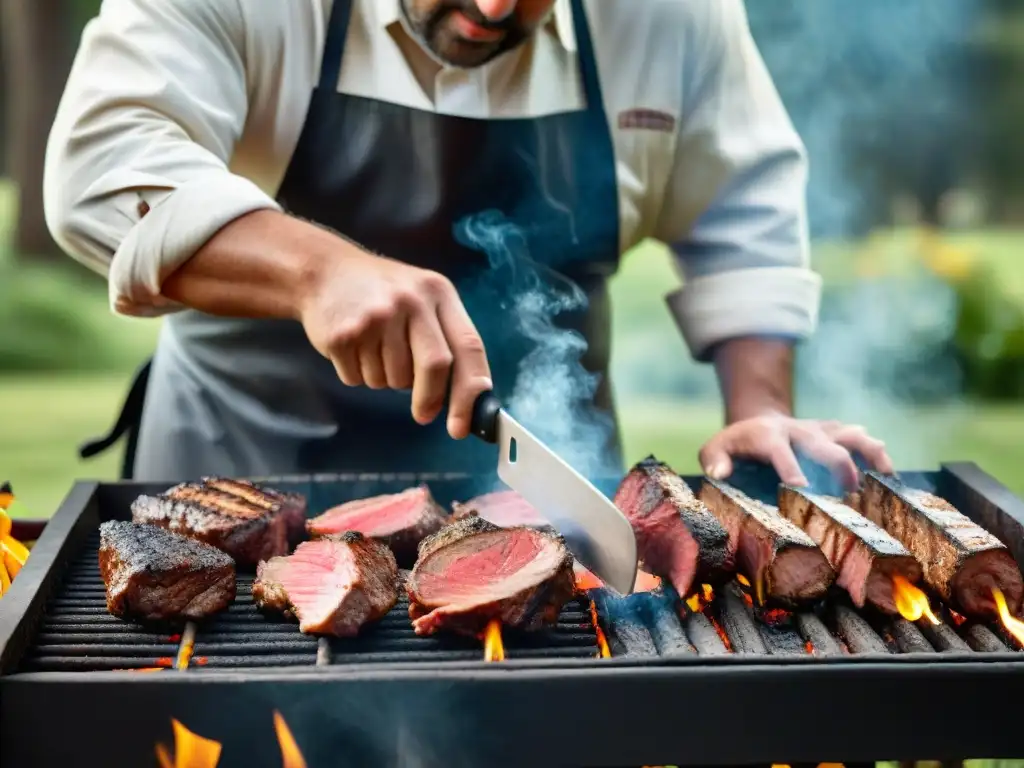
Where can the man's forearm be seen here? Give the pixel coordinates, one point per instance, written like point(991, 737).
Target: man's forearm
point(257, 266)
point(755, 376)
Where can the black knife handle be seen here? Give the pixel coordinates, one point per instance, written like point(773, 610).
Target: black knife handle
point(485, 417)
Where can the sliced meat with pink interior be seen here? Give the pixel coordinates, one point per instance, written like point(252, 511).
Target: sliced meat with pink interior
point(505, 509)
point(784, 565)
point(865, 557)
point(962, 561)
point(332, 586)
point(472, 572)
point(677, 537)
point(400, 520)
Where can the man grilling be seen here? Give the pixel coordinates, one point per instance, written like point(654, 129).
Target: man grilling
point(286, 183)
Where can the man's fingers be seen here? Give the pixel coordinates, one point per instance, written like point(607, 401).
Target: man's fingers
point(856, 439)
point(397, 355)
point(715, 459)
point(471, 374)
point(371, 363)
point(834, 456)
point(346, 363)
point(782, 457)
point(432, 362)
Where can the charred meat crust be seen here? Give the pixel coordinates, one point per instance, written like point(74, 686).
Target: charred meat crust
point(292, 506)
point(530, 606)
point(783, 563)
point(155, 575)
point(962, 561)
point(247, 530)
point(864, 556)
point(677, 537)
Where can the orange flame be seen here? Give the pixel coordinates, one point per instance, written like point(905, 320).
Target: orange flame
point(701, 598)
point(1014, 626)
point(603, 651)
point(289, 749)
point(494, 650)
point(194, 751)
point(911, 602)
point(585, 580)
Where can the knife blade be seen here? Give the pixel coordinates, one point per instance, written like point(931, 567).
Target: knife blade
point(594, 529)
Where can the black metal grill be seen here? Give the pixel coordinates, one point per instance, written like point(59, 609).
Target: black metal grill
point(718, 685)
point(78, 634)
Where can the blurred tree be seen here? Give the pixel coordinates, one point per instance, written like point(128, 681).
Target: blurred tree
point(38, 48)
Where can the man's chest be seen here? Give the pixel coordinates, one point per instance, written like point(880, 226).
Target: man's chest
point(641, 93)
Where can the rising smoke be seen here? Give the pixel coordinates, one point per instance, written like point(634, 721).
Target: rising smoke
point(552, 390)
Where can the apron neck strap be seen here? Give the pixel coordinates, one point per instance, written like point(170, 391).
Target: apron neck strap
point(334, 45)
point(337, 33)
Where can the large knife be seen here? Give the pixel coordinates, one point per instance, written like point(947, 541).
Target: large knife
point(596, 532)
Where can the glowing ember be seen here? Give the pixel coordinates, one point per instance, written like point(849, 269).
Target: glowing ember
point(742, 579)
point(911, 602)
point(493, 648)
point(194, 751)
point(958, 619)
point(809, 647)
point(603, 651)
point(701, 598)
point(1014, 626)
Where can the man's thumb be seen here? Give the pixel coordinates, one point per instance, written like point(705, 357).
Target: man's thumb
point(715, 460)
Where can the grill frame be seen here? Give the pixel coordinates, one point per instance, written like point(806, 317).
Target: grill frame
point(615, 711)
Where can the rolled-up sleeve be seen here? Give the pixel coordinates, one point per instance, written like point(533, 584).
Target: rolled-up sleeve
point(735, 210)
point(137, 176)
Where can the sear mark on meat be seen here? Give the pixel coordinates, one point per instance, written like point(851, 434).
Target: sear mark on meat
point(677, 537)
point(292, 506)
point(784, 565)
point(332, 586)
point(246, 522)
point(863, 555)
point(962, 561)
point(472, 571)
point(155, 575)
point(400, 520)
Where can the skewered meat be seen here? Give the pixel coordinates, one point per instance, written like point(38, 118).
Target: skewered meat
point(153, 574)
point(242, 520)
point(292, 505)
point(332, 586)
point(783, 563)
point(400, 520)
point(472, 571)
point(677, 537)
point(962, 561)
point(864, 556)
point(505, 509)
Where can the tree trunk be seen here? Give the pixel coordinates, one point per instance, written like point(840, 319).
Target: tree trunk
point(38, 51)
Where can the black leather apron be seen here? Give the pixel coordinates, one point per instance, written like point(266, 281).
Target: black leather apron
point(252, 397)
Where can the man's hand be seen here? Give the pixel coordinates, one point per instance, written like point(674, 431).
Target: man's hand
point(386, 324)
point(381, 322)
point(772, 439)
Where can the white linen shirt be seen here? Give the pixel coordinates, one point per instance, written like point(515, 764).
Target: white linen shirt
point(194, 107)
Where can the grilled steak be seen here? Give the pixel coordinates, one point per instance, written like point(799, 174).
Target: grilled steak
point(153, 574)
point(505, 509)
point(400, 520)
point(292, 506)
point(472, 571)
point(781, 561)
point(244, 522)
point(962, 561)
point(332, 586)
point(677, 537)
point(864, 556)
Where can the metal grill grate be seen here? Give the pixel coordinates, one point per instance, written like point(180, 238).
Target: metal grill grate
point(78, 634)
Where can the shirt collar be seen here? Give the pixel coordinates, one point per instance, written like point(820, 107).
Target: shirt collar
point(387, 12)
